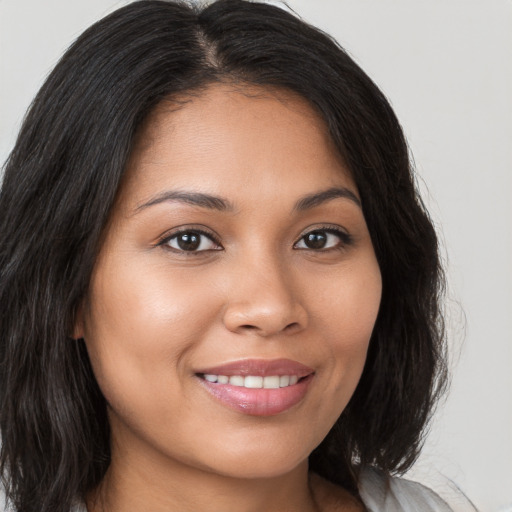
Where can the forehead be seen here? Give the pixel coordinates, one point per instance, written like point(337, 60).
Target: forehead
point(228, 136)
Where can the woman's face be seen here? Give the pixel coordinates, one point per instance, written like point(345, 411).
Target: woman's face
point(234, 296)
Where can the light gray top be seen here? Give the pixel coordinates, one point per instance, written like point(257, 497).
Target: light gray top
point(381, 494)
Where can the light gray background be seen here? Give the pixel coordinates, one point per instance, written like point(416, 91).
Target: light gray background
point(446, 66)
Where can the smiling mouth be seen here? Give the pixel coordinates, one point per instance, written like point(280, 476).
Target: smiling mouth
point(253, 381)
point(258, 387)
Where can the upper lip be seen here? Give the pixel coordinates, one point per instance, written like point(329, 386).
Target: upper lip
point(259, 367)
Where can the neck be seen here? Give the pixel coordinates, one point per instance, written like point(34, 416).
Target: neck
point(146, 483)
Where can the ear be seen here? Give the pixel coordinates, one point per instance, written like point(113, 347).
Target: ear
point(78, 323)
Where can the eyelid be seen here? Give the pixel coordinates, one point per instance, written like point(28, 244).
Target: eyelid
point(345, 237)
point(201, 230)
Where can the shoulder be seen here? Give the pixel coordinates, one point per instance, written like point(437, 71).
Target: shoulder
point(381, 493)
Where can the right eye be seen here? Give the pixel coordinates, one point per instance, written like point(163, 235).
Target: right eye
point(191, 241)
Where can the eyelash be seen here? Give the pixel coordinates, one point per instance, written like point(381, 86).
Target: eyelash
point(345, 239)
point(164, 242)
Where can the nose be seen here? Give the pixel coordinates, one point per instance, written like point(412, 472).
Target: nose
point(265, 301)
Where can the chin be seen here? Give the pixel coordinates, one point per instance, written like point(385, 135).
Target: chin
point(259, 461)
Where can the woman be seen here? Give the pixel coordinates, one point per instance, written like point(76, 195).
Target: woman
point(219, 287)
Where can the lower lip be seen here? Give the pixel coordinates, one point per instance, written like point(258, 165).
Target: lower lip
point(261, 401)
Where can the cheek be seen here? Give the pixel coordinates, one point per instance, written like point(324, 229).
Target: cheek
point(141, 324)
point(347, 313)
point(350, 301)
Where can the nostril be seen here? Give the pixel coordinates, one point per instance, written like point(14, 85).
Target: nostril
point(261, 319)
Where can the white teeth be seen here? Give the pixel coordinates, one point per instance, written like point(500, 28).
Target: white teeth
point(236, 380)
point(254, 381)
point(271, 382)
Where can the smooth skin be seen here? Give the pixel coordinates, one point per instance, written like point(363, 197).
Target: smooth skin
point(262, 270)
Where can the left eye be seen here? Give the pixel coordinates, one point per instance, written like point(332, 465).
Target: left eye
point(321, 239)
point(191, 241)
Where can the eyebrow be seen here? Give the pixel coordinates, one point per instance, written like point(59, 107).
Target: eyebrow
point(316, 199)
point(218, 203)
point(194, 198)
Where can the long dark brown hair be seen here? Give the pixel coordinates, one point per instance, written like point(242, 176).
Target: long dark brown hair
point(60, 183)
